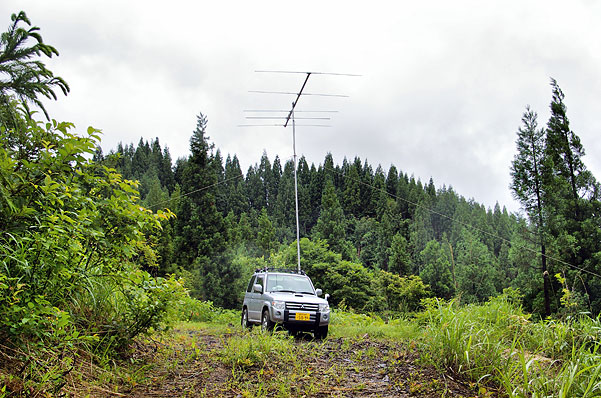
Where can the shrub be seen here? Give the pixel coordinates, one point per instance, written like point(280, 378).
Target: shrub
point(400, 293)
point(71, 234)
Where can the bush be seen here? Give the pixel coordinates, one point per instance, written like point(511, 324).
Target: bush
point(190, 309)
point(71, 235)
point(197, 311)
point(398, 293)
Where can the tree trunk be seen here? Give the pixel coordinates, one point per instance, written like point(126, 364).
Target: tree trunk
point(546, 282)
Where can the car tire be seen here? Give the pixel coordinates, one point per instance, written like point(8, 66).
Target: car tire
point(321, 332)
point(266, 323)
point(245, 323)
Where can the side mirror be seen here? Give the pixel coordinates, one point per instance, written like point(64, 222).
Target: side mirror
point(318, 292)
point(327, 296)
point(257, 288)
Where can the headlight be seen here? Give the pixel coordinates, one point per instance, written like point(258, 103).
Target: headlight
point(324, 307)
point(278, 305)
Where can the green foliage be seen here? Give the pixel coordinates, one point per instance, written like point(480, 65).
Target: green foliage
point(128, 306)
point(351, 325)
point(345, 281)
point(331, 222)
point(527, 167)
point(383, 221)
point(243, 353)
point(476, 271)
point(200, 232)
point(561, 198)
point(73, 240)
point(497, 343)
point(192, 310)
point(257, 213)
point(352, 285)
point(399, 293)
point(21, 74)
point(400, 259)
point(266, 233)
point(436, 271)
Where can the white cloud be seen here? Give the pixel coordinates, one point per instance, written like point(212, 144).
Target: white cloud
point(443, 89)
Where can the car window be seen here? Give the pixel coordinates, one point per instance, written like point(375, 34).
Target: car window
point(290, 283)
point(259, 281)
point(250, 284)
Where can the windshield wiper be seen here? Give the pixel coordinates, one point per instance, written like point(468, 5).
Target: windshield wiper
point(285, 291)
point(306, 293)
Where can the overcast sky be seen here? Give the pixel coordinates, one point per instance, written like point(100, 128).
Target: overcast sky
point(444, 83)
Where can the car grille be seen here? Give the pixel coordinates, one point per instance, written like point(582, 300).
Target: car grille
point(302, 307)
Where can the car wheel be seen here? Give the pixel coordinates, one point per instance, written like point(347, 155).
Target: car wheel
point(245, 323)
point(321, 332)
point(266, 323)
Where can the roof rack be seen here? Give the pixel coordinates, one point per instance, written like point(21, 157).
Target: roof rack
point(286, 270)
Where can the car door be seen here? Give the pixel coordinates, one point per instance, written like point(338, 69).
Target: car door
point(256, 302)
point(248, 295)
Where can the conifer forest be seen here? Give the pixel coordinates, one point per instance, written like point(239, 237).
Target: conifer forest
point(366, 226)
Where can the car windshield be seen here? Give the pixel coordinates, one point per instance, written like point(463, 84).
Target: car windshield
point(289, 283)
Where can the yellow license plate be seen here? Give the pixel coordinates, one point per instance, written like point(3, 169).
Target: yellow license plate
point(301, 316)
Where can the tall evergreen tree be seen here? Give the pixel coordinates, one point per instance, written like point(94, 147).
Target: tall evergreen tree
point(221, 194)
point(166, 173)
point(527, 186)
point(141, 159)
point(284, 211)
point(392, 181)
point(421, 231)
point(443, 211)
point(265, 173)
point(571, 198)
point(304, 196)
point(437, 270)
point(199, 228)
point(331, 222)
point(399, 261)
point(365, 239)
point(255, 190)
point(476, 271)
point(266, 234)
point(352, 201)
point(315, 192)
point(234, 183)
point(564, 150)
point(22, 75)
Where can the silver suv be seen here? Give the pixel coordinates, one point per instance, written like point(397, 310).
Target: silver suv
point(287, 298)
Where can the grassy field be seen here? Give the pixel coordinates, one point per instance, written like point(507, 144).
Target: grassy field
point(492, 349)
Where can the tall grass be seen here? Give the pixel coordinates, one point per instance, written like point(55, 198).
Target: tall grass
point(257, 349)
point(348, 324)
point(496, 343)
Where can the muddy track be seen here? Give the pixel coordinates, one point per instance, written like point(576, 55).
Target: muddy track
point(195, 364)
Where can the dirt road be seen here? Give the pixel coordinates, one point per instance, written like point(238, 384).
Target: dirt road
point(197, 363)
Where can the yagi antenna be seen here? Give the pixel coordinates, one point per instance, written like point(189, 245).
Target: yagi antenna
point(286, 111)
point(279, 125)
point(292, 93)
point(311, 73)
point(290, 116)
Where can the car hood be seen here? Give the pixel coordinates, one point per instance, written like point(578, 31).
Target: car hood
point(297, 297)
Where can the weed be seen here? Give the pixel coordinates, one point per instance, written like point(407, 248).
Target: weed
point(244, 352)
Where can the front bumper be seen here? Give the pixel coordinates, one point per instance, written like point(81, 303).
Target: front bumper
point(288, 318)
